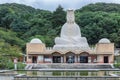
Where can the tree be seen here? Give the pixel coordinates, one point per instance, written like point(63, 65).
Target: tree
point(39, 27)
point(11, 38)
point(7, 50)
point(97, 25)
point(7, 53)
point(20, 26)
point(104, 7)
point(58, 18)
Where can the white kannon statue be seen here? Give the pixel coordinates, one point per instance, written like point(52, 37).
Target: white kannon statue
point(70, 37)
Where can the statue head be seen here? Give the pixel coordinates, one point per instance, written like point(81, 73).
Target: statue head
point(70, 16)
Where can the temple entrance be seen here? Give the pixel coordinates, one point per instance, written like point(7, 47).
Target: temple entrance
point(70, 57)
point(56, 57)
point(105, 59)
point(34, 59)
point(84, 57)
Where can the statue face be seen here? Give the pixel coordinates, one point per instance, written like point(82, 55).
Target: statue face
point(70, 16)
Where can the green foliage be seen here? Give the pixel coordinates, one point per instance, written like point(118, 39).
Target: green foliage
point(97, 25)
point(84, 73)
point(21, 65)
point(6, 63)
point(3, 61)
point(117, 65)
point(19, 25)
point(105, 7)
point(7, 49)
point(58, 18)
point(15, 8)
point(10, 65)
point(11, 37)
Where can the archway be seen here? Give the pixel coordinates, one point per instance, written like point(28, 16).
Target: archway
point(34, 59)
point(56, 57)
point(70, 57)
point(83, 57)
point(106, 60)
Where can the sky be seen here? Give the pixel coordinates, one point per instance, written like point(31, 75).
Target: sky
point(53, 4)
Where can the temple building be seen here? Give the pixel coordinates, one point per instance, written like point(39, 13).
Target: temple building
point(70, 47)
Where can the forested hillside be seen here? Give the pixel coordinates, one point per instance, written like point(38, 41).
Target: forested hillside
point(20, 23)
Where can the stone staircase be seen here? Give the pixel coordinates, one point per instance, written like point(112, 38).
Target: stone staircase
point(29, 66)
point(69, 66)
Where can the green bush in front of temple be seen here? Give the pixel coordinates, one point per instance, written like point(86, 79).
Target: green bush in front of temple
point(21, 65)
point(117, 65)
point(6, 63)
point(3, 62)
point(10, 65)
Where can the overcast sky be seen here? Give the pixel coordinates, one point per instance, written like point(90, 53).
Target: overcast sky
point(52, 4)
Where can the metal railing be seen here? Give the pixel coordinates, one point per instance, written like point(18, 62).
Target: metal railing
point(67, 78)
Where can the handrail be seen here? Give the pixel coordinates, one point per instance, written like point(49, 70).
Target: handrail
point(64, 78)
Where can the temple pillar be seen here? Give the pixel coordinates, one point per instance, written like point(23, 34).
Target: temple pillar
point(78, 59)
point(64, 58)
point(75, 58)
point(51, 57)
point(89, 59)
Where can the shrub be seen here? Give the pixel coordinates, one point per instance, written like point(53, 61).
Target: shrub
point(3, 62)
point(117, 65)
point(20, 65)
point(10, 65)
point(6, 63)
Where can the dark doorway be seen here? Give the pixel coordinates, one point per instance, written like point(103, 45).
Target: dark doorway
point(83, 59)
point(70, 57)
point(56, 59)
point(34, 59)
point(105, 59)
